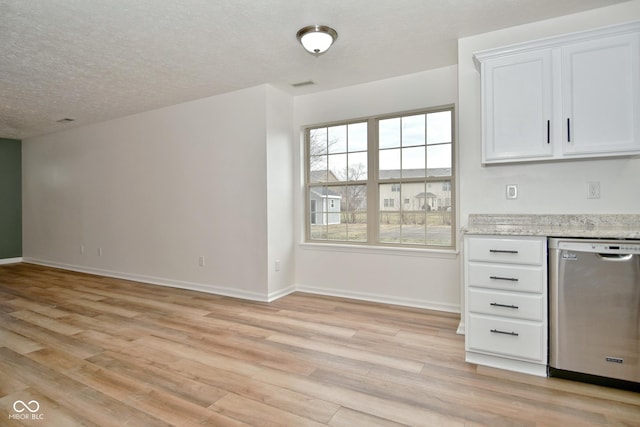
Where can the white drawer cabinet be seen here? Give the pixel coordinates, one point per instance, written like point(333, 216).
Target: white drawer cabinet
point(506, 277)
point(508, 338)
point(506, 302)
point(508, 250)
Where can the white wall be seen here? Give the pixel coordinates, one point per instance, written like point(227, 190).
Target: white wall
point(158, 190)
point(279, 192)
point(543, 187)
point(413, 277)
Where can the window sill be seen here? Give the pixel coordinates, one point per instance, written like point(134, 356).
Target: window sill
point(380, 250)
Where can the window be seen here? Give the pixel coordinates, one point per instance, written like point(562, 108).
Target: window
point(384, 180)
point(337, 174)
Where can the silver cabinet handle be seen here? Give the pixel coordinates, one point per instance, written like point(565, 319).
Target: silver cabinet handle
point(502, 251)
point(498, 331)
point(495, 304)
point(510, 279)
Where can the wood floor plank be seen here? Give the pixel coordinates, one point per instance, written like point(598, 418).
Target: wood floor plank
point(47, 338)
point(77, 398)
point(360, 401)
point(159, 378)
point(17, 342)
point(258, 413)
point(292, 324)
point(55, 325)
point(103, 351)
point(9, 384)
point(348, 418)
point(192, 353)
point(348, 353)
point(40, 308)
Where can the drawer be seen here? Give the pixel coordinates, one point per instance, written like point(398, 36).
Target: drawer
point(507, 277)
point(513, 338)
point(506, 250)
point(506, 304)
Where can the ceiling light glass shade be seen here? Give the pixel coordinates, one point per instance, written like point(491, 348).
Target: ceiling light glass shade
point(316, 39)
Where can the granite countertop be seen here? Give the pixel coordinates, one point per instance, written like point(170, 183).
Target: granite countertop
point(616, 226)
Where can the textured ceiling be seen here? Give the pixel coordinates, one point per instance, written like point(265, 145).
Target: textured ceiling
point(94, 60)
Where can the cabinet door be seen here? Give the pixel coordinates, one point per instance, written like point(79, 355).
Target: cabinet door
point(601, 96)
point(517, 107)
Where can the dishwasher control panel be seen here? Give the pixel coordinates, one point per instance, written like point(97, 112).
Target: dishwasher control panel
point(607, 247)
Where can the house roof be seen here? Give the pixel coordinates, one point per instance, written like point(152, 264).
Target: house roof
point(322, 176)
point(325, 192)
point(414, 173)
point(426, 194)
point(94, 61)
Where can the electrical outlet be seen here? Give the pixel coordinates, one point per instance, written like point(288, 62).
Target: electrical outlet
point(593, 190)
point(277, 265)
point(512, 191)
point(201, 261)
point(99, 251)
point(81, 249)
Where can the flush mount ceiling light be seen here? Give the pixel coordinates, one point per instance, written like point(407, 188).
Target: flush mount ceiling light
point(316, 39)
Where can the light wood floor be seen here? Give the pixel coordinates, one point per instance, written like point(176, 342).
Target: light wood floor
point(100, 351)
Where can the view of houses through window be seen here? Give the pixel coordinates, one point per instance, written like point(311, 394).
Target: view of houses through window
point(383, 180)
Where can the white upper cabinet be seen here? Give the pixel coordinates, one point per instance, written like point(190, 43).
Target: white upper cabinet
point(601, 95)
point(567, 97)
point(517, 102)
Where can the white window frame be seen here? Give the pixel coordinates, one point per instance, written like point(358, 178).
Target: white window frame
point(373, 181)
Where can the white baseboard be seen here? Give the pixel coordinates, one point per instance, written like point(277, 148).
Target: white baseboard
point(531, 368)
point(10, 260)
point(384, 299)
point(192, 286)
point(247, 295)
point(281, 293)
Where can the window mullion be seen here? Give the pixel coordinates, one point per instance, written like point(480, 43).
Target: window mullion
point(373, 201)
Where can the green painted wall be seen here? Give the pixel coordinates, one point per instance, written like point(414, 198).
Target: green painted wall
point(10, 198)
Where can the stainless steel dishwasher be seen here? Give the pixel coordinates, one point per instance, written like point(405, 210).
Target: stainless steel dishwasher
point(594, 309)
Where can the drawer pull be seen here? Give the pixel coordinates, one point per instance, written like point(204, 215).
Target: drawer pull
point(511, 279)
point(502, 251)
point(498, 331)
point(495, 304)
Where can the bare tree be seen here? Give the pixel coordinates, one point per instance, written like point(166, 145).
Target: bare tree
point(319, 147)
point(354, 196)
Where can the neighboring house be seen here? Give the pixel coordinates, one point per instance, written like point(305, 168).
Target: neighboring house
point(414, 196)
point(324, 206)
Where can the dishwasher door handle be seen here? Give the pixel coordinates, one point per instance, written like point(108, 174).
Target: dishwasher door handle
point(614, 257)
